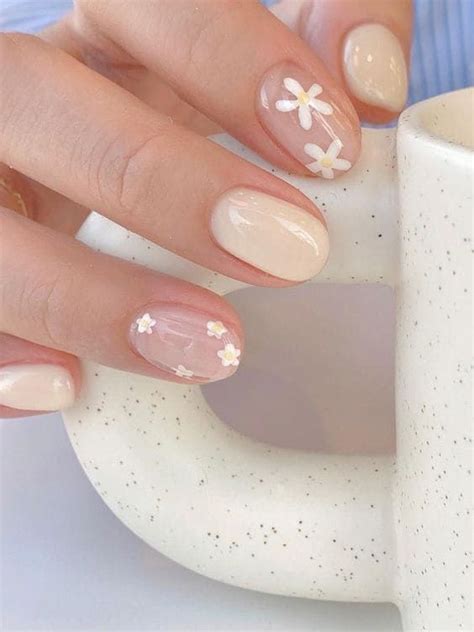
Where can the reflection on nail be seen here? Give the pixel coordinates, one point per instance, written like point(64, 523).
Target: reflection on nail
point(270, 234)
point(375, 68)
point(36, 387)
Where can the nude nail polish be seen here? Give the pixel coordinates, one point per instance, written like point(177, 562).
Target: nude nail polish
point(310, 118)
point(36, 387)
point(270, 234)
point(186, 343)
point(374, 67)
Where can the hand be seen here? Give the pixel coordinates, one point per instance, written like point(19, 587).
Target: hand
point(108, 110)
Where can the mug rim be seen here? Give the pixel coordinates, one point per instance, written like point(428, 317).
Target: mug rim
point(411, 123)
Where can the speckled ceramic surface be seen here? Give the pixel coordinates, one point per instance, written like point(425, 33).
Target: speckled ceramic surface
point(314, 525)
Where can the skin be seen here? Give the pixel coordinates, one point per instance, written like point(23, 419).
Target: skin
point(123, 154)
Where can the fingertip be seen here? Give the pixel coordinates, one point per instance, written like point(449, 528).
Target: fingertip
point(35, 379)
point(366, 46)
point(375, 71)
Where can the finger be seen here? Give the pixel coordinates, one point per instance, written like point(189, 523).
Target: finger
point(31, 199)
point(366, 44)
point(35, 379)
point(116, 155)
point(58, 293)
point(238, 65)
point(143, 83)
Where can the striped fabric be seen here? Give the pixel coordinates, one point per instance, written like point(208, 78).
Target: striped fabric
point(442, 54)
point(443, 48)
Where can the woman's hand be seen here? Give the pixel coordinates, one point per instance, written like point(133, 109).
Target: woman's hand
point(108, 110)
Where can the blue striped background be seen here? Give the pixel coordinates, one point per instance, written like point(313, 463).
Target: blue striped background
point(443, 50)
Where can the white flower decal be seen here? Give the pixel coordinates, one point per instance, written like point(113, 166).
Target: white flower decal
point(229, 355)
point(182, 371)
point(326, 161)
point(304, 102)
point(216, 328)
point(145, 324)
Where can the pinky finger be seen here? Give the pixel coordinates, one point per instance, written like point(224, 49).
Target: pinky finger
point(35, 379)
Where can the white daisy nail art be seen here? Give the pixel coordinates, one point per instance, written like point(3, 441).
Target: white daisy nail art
point(229, 355)
point(182, 371)
point(326, 161)
point(216, 328)
point(145, 324)
point(305, 100)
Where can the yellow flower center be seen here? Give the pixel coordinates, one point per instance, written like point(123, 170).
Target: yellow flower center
point(228, 355)
point(326, 162)
point(303, 98)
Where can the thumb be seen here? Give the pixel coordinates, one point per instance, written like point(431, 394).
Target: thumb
point(364, 44)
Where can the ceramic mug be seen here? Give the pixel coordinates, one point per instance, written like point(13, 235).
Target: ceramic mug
point(361, 528)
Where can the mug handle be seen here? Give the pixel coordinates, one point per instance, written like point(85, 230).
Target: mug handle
point(237, 510)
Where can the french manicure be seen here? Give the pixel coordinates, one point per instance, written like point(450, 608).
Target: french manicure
point(315, 123)
point(375, 68)
point(36, 387)
point(186, 343)
point(270, 234)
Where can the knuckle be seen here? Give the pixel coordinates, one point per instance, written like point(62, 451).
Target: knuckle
point(210, 34)
point(39, 307)
point(37, 302)
point(51, 298)
point(44, 302)
point(125, 177)
point(204, 42)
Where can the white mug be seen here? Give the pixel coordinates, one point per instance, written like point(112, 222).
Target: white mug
point(354, 528)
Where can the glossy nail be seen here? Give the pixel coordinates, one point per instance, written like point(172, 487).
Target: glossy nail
point(36, 387)
point(186, 343)
point(270, 234)
point(302, 111)
point(375, 68)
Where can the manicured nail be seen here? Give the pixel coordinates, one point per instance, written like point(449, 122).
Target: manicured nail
point(186, 343)
point(375, 68)
point(270, 234)
point(312, 121)
point(36, 387)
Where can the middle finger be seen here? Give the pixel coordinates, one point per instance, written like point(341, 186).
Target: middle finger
point(239, 65)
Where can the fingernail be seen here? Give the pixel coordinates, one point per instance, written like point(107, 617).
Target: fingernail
point(186, 343)
point(375, 68)
point(270, 234)
point(36, 387)
point(309, 118)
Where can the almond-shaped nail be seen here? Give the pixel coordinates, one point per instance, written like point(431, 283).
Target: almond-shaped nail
point(36, 387)
point(311, 118)
point(374, 67)
point(270, 234)
point(185, 342)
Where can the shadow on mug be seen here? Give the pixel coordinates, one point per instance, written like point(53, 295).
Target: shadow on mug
point(318, 374)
